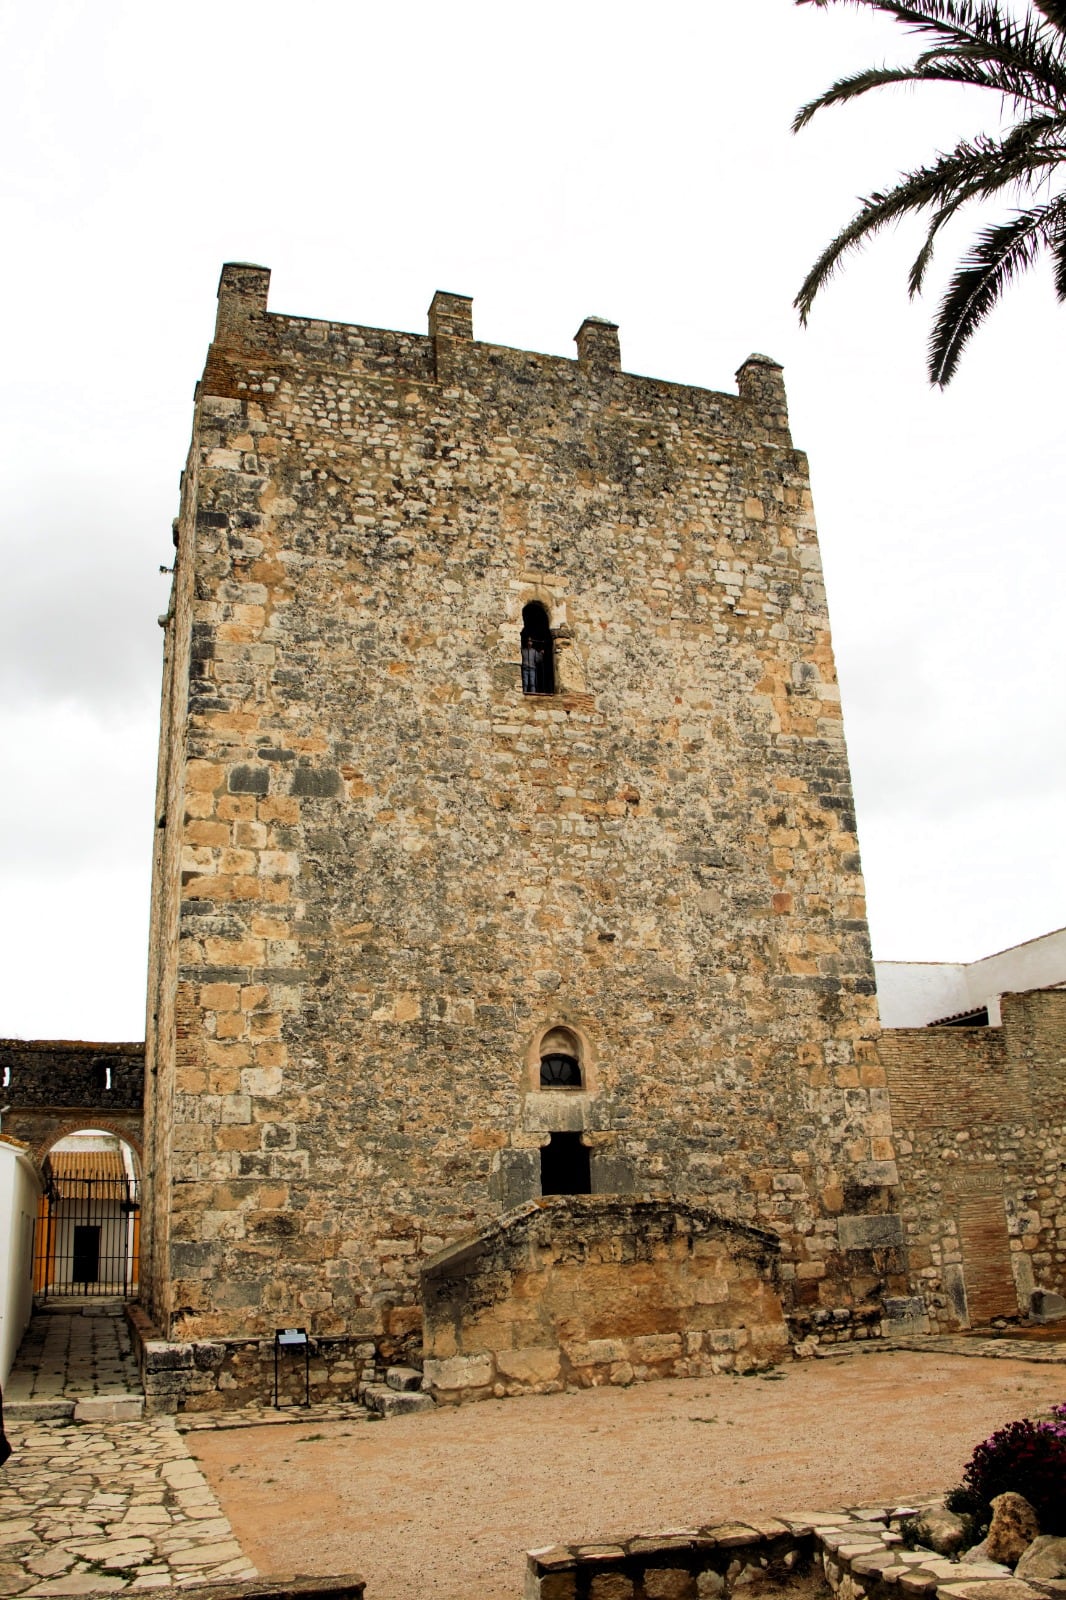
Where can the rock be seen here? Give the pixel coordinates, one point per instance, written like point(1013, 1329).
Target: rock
point(1045, 1558)
point(942, 1530)
point(403, 1378)
point(459, 1372)
point(1014, 1527)
point(1044, 1306)
point(805, 1349)
point(976, 1553)
point(385, 1402)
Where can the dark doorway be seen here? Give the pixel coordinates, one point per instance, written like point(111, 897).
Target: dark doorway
point(86, 1264)
point(538, 669)
point(564, 1165)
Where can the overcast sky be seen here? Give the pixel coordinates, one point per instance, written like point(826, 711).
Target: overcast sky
point(553, 161)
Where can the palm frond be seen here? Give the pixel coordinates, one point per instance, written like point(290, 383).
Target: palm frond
point(1058, 250)
point(996, 258)
point(1022, 58)
point(978, 168)
point(1054, 11)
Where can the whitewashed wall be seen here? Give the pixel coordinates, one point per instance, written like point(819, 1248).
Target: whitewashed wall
point(20, 1191)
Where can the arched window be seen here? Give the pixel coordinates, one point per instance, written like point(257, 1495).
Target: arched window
point(538, 666)
point(560, 1060)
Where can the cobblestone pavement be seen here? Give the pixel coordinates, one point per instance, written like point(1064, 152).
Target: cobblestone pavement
point(104, 1507)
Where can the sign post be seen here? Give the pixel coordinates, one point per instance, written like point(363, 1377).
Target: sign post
point(293, 1339)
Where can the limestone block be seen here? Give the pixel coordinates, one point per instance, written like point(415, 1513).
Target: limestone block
point(1045, 1558)
point(941, 1530)
point(109, 1408)
point(669, 1583)
point(1044, 1306)
point(596, 1352)
point(459, 1372)
point(904, 1315)
point(870, 1232)
point(1012, 1530)
point(655, 1347)
point(536, 1365)
point(403, 1378)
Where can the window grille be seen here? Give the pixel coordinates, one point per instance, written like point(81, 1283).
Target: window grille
point(560, 1072)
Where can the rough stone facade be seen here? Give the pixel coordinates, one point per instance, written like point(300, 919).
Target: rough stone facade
point(53, 1087)
point(388, 881)
point(980, 1120)
point(579, 1291)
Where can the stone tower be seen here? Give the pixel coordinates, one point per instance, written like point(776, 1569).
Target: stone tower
point(505, 834)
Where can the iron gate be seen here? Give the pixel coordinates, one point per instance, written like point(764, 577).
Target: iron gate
point(88, 1237)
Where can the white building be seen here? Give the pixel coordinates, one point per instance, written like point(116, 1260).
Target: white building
point(20, 1194)
point(914, 994)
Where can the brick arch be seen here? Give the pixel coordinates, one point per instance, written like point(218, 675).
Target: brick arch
point(82, 1124)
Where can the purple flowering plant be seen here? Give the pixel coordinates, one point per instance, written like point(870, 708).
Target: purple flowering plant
point(1028, 1458)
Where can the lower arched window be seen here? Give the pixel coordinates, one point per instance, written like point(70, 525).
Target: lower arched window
point(538, 665)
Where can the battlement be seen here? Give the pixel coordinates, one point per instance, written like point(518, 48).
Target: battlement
point(448, 353)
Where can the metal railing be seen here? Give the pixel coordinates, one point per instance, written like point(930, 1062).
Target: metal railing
point(88, 1237)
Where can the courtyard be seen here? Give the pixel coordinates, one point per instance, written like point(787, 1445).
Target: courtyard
point(446, 1504)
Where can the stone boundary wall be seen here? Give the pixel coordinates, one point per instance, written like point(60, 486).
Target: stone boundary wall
point(861, 1553)
point(208, 1374)
point(980, 1125)
point(65, 1072)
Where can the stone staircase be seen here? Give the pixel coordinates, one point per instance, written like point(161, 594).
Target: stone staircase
point(399, 1394)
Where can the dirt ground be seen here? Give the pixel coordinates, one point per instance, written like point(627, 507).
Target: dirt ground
point(445, 1504)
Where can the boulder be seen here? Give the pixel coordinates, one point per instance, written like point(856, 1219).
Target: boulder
point(1013, 1528)
point(940, 1529)
point(976, 1553)
point(1045, 1558)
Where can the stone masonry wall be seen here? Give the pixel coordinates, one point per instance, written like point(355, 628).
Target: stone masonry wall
point(51, 1087)
point(981, 1134)
point(384, 872)
point(585, 1290)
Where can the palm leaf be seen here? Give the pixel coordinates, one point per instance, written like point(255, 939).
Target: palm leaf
point(974, 169)
point(1054, 11)
point(997, 257)
point(981, 44)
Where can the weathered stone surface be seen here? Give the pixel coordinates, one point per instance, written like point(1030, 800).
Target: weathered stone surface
point(459, 1372)
point(870, 1232)
point(941, 1530)
point(109, 1408)
point(386, 1402)
point(981, 1165)
point(1045, 1306)
point(1012, 1530)
point(535, 1294)
point(403, 1378)
point(1045, 1558)
point(387, 874)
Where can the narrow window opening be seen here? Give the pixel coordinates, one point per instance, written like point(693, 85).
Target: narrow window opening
point(7, 1078)
point(564, 1165)
point(101, 1073)
point(538, 667)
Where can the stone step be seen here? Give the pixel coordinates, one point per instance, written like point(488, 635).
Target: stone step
point(109, 1408)
point(37, 1410)
point(386, 1402)
point(403, 1378)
